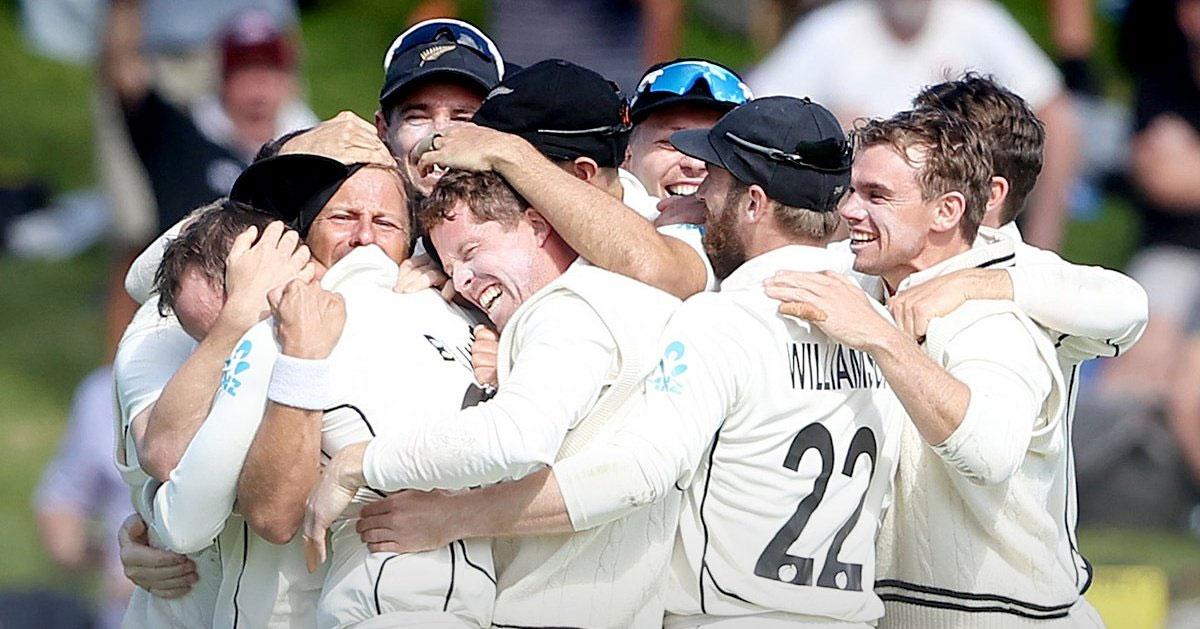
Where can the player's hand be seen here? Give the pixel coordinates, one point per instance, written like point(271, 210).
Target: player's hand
point(833, 303)
point(340, 480)
point(465, 147)
point(308, 319)
point(420, 272)
point(253, 269)
point(346, 138)
point(162, 573)
point(685, 210)
point(484, 351)
point(409, 522)
point(914, 308)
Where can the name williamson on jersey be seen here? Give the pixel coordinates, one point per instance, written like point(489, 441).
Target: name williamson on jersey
point(826, 367)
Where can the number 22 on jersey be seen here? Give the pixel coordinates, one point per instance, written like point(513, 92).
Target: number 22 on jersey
point(775, 562)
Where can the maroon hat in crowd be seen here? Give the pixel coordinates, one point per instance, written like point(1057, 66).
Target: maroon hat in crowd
point(255, 38)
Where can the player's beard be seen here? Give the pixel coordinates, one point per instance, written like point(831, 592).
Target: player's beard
point(721, 242)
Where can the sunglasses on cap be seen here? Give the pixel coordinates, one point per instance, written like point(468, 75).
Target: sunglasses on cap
point(446, 30)
point(681, 77)
point(826, 156)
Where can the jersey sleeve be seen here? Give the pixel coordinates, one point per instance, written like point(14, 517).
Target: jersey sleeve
point(190, 508)
point(152, 350)
point(1094, 311)
point(558, 375)
point(1009, 382)
point(692, 236)
point(667, 428)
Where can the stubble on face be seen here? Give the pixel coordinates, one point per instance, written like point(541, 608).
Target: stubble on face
point(721, 241)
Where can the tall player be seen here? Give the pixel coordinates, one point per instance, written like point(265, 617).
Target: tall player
point(985, 454)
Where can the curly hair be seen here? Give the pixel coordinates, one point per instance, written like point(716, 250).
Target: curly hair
point(486, 194)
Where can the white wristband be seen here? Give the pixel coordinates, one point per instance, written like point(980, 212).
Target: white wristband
point(303, 383)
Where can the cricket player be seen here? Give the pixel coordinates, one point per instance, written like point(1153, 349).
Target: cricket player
point(436, 74)
point(574, 345)
point(577, 126)
point(673, 96)
point(208, 301)
point(266, 584)
point(985, 455)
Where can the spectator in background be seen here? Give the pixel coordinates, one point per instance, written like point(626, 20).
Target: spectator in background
point(870, 57)
point(189, 139)
point(193, 156)
point(617, 38)
point(173, 49)
point(81, 499)
point(1161, 374)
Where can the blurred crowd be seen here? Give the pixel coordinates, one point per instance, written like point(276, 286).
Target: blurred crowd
point(188, 92)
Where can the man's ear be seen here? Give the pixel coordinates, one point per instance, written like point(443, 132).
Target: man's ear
point(997, 195)
point(758, 203)
point(585, 169)
point(626, 158)
point(541, 227)
point(949, 210)
point(381, 126)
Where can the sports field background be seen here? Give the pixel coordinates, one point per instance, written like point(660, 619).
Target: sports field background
point(50, 313)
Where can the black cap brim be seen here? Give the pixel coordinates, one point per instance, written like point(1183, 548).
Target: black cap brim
point(293, 187)
point(695, 143)
point(397, 88)
point(639, 114)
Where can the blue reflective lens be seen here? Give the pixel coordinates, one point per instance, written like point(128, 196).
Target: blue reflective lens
point(681, 77)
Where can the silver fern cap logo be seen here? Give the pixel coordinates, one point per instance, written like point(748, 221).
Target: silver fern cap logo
point(433, 52)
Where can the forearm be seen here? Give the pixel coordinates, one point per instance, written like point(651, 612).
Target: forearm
point(530, 506)
point(185, 402)
point(935, 401)
point(281, 468)
point(482, 445)
point(64, 535)
point(600, 227)
point(1107, 309)
point(122, 66)
point(1047, 212)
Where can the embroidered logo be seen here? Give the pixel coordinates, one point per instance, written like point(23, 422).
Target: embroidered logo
point(433, 52)
point(670, 368)
point(235, 365)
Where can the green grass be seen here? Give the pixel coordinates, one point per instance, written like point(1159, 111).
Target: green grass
point(50, 318)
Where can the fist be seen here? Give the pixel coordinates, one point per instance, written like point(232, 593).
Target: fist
point(308, 319)
point(484, 351)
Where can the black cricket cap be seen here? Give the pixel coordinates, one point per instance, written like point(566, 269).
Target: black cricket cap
point(793, 148)
point(294, 187)
point(440, 49)
point(687, 81)
point(563, 109)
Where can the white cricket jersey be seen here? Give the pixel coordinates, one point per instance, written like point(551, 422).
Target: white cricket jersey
point(565, 361)
point(635, 196)
point(996, 489)
point(397, 353)
point(151, 350)
point(783, 443)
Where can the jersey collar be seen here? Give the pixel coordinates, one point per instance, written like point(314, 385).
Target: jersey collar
point(754, 271)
